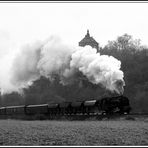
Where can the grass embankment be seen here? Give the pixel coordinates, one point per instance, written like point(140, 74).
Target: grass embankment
point(109, 132)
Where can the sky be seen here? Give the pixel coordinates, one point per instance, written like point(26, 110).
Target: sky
point(22, 23)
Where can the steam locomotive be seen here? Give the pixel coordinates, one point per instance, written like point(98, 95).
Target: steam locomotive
point(108, 105)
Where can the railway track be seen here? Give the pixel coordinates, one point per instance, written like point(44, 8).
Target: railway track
point(108, 115)
point(131, 116)
point(99, 116)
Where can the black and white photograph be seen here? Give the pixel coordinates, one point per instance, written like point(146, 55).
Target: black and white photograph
point(73, 73)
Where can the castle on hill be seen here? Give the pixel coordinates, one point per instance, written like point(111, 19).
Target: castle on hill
point(88, 40)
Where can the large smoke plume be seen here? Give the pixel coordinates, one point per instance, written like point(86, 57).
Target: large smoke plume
point(52, 57)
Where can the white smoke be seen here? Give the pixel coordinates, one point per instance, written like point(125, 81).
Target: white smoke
point(5, 74)
point(99, 69)
point(54, 57)
point(24, 69)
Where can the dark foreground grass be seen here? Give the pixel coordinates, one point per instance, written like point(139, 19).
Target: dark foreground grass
point(92, 133)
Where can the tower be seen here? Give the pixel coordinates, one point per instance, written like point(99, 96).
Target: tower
point(88, 40)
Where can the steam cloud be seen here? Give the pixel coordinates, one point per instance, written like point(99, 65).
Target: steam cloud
point(54, 57)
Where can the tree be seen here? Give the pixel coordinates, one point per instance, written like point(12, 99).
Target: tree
point(134, 63)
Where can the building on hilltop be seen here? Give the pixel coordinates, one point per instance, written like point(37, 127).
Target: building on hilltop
point(88, 40)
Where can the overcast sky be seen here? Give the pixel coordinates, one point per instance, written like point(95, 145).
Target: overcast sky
point(22, 23)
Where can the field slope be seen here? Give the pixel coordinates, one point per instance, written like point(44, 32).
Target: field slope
point(66, 133)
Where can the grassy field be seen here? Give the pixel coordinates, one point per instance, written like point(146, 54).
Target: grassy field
point(69, 133)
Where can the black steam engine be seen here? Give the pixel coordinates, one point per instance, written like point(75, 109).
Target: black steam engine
point(108, 105)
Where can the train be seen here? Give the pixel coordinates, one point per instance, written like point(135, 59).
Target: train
point(107, 105)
